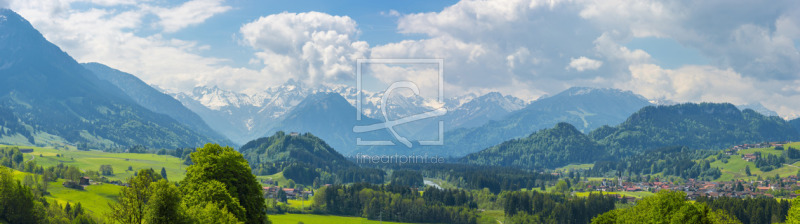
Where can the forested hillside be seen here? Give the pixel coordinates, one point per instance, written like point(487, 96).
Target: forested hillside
point(548, 148)
point(154, 100)
point(697, 126)
point(306, 159)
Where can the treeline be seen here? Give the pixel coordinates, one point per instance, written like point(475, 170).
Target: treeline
point(20, 203)
point(182, 153)
point(395, 203)
point(478, 177)
point(667, 207)
point(536, 207)
point(409, 178)
point(676, 161)
point(770, 162)
point(11, 157)
point(751, 210)
point(10, 125)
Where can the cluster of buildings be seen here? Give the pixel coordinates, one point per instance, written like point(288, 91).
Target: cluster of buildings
point(757, 145)
point(752, 157)
point(694, 188)
point(291, 193)
point(84, 181)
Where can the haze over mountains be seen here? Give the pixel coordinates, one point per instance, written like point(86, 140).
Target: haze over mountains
point(52, 99)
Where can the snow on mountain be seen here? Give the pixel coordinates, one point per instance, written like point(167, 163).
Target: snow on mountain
point(244, 117)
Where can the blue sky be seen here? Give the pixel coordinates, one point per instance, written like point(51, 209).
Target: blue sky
point(736, 51)
point(374, 22)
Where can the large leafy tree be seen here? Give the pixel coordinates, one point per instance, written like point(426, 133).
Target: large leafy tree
point(794, 212)
point(226, 165)
point(199, 195)
point(666, 207)
point(164, 205)
point(133, 199)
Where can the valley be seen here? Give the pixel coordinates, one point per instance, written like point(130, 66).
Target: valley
point(154, 116)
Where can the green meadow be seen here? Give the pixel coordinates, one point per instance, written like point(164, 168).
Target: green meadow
point(91, 160)
point(735, 168)
point(320, 219)
point(94, 198)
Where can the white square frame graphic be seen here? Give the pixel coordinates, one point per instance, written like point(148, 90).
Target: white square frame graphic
point(359, 109)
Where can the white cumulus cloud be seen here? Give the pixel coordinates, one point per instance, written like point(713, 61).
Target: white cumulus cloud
point(313, 47)
point(583, 64)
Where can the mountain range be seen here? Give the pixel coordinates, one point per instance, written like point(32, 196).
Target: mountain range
point(58, 101)
point(695, 126)
point(243, 117)
point(585, 108)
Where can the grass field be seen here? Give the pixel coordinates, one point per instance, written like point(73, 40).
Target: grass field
point(278, 177)
point(318, 219)
point(91, 160)
point(498, 215)
point(735, 168)
point(94, 198)
point(298, 204)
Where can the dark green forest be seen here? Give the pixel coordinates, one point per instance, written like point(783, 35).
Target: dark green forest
point(548, 148)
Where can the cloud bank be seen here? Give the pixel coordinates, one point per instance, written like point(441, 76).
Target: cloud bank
point(522, 47)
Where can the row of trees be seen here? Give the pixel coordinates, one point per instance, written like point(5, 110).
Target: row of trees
point(20, 203)
point(751, 210)
point(477, 177)
point(10, 125)
point(536, 207)
point(675, 161)
point(672, 207)
point(392, 203)
point(409, 178)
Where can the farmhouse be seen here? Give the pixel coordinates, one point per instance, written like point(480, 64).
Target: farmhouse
point(749, 157)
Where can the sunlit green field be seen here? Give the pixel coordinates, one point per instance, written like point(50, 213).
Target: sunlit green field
point(576, 167)
point(318, 219)
point(498, 215)
point(735, 168)
point(91, 160)
point(94, 198)
point(278, 177)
